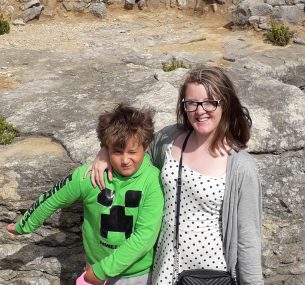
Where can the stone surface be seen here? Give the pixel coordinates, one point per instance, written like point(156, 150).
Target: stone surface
point(99, 10)
point(79, 6)
point(18, 22)
point(29, 4)
point(276, 10)
point(31, 13)
point(298, 41)
point(291, 14)
point(67, 5)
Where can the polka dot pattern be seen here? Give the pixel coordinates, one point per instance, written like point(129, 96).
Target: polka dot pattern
point(200, 237)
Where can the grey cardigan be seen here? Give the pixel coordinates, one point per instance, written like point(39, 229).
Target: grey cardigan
point(241, 210)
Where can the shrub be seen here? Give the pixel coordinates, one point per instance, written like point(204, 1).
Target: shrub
point(173, 64)
point(279, 35)
point(4, 26)
point(7, 132)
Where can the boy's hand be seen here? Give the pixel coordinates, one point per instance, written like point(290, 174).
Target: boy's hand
point(91, 278)
point(12, 229)
point(100, 164)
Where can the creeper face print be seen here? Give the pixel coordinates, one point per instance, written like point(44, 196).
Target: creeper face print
point(117, 220)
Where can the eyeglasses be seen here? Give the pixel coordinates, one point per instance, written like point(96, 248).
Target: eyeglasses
point(207, 105)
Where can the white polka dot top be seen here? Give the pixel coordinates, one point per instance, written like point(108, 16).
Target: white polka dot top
point(200, 237)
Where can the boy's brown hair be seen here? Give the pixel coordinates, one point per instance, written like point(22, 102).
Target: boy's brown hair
point(116, 127)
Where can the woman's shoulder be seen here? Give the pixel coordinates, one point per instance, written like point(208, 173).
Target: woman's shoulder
point(171, 131)
point(242, 158)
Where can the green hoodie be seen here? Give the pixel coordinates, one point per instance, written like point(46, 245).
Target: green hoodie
point(121, 222)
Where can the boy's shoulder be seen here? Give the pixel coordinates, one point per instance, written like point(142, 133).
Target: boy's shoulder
point(79, 175)
point(151, 168)
point(81, 169)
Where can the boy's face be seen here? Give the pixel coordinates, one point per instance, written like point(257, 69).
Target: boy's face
point(127, 161)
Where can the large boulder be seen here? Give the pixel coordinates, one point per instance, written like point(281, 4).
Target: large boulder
point(284, 11)
point(287, 14)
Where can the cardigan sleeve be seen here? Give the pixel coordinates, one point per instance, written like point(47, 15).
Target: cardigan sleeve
point(249, 226)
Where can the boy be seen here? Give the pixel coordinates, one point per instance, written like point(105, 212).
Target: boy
point(122, 221)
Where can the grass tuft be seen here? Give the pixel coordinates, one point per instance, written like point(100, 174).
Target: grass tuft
point(279, 35)
point(7, 132)
point(4, 26)
point(173, 64)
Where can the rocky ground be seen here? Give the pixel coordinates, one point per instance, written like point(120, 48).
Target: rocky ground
point(196, 33)
point(208, 32)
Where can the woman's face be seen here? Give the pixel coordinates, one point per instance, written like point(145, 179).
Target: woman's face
point(204, 123)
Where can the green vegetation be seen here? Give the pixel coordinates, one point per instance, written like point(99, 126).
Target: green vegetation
point(7, 132)
point(279, 35)
point(4, 26)
point(173, 64)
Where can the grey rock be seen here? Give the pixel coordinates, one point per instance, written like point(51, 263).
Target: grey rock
point(298, 41)
point(261, 9)
point(275, 2)
point(276, 10)
point(79, 6)
point(98, 10)
point(181, 3)
point(236, 50)
point(264, 26)
point(31, 13)
point(262, 20)
point(253, 20)
point(30, 4)
point(248, 8)
point(48, 12)
point(67, 5)
point(301, 7)
point(18, 22)
point(276, 80)
point(291, 14)
point(240, 16)
point(263, 23)
point(35, 152)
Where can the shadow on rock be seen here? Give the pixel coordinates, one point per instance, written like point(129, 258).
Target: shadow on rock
point(55, 259)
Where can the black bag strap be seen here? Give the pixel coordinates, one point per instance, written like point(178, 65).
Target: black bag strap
point(178, 193)
point(177, 213)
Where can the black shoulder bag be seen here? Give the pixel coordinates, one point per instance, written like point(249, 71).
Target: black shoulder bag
point(196, 276)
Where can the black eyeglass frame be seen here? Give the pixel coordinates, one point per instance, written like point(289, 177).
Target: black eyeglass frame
point(217, 102)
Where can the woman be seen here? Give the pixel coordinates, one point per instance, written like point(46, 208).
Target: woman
point(220, 217)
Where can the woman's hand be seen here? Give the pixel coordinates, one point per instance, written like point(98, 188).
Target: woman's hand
point(100, 164)
point(11, 228)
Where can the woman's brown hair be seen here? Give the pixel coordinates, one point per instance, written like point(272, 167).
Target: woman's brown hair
point(116, 127)
point(235, 124)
